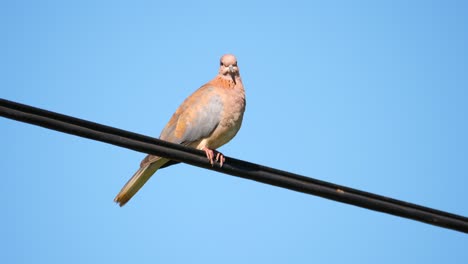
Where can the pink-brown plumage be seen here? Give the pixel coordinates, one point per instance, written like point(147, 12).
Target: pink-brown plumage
point(206, 120)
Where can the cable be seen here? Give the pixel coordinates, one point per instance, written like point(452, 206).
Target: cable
point(235, 167)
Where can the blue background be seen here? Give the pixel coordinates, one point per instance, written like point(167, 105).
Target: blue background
point(367, 94)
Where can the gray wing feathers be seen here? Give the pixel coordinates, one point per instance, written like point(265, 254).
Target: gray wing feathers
point(200, 118)
point(204, 121)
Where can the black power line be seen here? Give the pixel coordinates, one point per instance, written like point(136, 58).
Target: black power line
point(239, 168)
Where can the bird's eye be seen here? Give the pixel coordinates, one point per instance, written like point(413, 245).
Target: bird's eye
point(220, 63)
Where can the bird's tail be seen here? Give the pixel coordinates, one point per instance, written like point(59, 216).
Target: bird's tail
point(138, 180)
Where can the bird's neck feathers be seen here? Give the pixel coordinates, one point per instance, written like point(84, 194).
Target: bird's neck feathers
point(227, 81)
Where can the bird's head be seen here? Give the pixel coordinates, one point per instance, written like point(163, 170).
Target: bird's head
point(228, 66)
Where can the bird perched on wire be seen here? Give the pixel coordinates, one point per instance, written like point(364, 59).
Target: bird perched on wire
point(206, 120)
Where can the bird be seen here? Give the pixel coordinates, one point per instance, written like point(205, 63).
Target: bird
point(209, 118)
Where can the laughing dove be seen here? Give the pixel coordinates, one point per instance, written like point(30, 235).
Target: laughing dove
point(206, 120)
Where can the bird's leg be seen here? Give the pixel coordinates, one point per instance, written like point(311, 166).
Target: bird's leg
point(210, 154)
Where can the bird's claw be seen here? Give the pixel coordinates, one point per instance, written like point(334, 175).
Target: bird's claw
point(214, 156)
point(220, 158)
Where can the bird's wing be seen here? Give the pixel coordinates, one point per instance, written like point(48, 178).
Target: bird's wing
point(195, 119)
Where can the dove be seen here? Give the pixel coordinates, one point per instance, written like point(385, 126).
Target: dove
point(206, 120)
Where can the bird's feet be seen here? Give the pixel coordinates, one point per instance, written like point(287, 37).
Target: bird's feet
point(214, 156)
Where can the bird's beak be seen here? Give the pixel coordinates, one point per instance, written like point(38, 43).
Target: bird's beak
point(231, 69)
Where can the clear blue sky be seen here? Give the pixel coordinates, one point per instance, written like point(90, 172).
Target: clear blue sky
point(367, 94)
